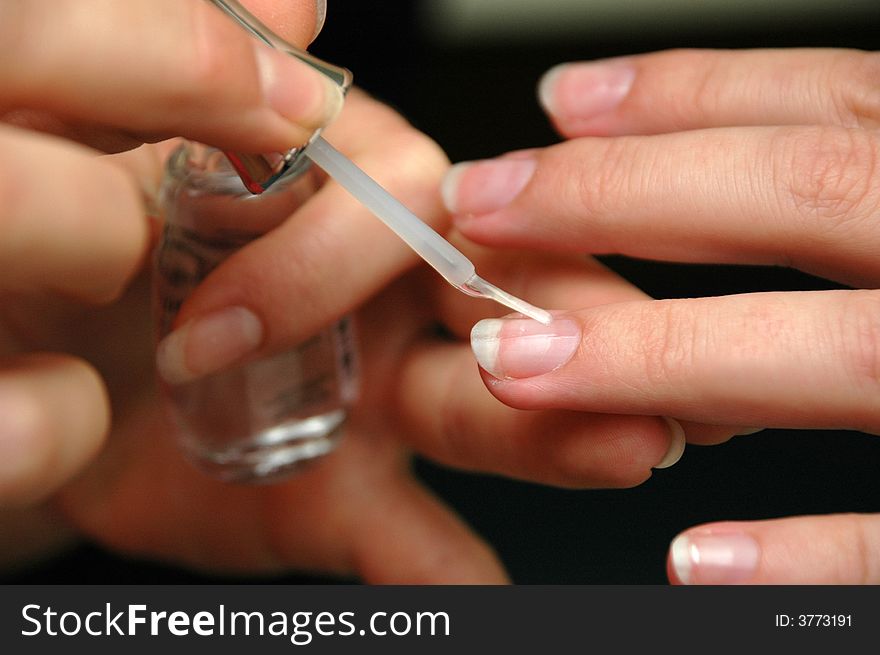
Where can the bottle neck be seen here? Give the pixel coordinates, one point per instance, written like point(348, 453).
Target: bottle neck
point(202, 192)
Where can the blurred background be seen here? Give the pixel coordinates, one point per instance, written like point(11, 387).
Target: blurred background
point(464, 71)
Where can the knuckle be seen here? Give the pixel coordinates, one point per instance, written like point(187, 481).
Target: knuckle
point(827, 172)
point(666, 337)
point(708, 89)
point(858, 98)
point(597, 189)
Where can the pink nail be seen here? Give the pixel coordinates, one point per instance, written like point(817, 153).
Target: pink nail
point(582, 91)
point(714, 558)
point(486, 186)
point(514, 348)
point(208, 344)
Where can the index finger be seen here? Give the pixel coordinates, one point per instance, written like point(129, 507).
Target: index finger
point(162, 68)
point(678, 90)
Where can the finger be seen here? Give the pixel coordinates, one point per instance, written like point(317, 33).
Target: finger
point(71, 222)
point(547, 280)
point(806, 197)
point(450, 417)
point(54, 415)
point(431, 388)
point(770, 359)
point(839, 549)
point(688, 89)
point(176, 68)
point(316, 260)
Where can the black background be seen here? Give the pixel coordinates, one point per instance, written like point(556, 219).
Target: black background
point(477, 100)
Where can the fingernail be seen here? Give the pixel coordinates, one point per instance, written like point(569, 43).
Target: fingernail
point(320, 17)
point(208, 344)
point(483, 187)
point(712, 558)
point(747, 431)
point(676, 445)
point(299, 93)
point(582, 91)
point(515, 348)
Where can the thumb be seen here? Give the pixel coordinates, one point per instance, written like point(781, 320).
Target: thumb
point(838, 549)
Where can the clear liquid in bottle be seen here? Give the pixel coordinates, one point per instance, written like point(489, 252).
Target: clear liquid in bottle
point(264, 419)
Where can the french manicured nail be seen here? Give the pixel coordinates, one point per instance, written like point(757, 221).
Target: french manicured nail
point(676, 445)
point(582, 91)
point(515, 348)
point(208, 344)
point(483, 187)
point(299, 93)
point(714, 558)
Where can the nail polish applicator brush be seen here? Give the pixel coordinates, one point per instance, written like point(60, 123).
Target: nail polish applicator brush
point(258, 172)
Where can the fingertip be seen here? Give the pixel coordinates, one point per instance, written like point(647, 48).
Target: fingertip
point(517, 348)
point(54, 416)
point(546, 89)
point(297, 92)
point(450, 184)
point(720, 555)
point(676, 445)
point(577, 95)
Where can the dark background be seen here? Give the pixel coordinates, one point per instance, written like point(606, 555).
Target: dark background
point(476, 99)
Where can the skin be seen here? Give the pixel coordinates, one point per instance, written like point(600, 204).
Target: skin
point(86, 450)
point(755, 157)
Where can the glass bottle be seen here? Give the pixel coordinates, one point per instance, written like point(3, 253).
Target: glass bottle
point(264, 419)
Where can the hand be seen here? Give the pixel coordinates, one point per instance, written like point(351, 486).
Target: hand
point(111, 75)
point(359, 511)
point(760, 157)
point(75, 237)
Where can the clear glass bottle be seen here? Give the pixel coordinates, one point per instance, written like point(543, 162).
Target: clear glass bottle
point(261, 420)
